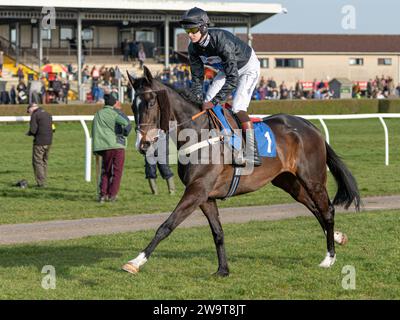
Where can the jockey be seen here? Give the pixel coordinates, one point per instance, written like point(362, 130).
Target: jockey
point(238, 69)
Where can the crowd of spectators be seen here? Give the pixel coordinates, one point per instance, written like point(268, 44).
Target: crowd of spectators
point(38, 91)
point(101, 79)
point(98, 79)
point(379, 88)
point(177, 77)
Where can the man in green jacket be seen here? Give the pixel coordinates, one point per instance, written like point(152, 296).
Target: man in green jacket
point(109, 131)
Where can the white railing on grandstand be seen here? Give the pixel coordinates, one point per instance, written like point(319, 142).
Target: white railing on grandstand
point(321, 118)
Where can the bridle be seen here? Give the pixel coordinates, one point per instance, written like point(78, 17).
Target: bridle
point(194, 117)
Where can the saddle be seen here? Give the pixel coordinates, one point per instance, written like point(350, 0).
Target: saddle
point(227, 122)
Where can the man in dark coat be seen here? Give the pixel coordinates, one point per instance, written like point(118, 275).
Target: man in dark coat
point(41, 129)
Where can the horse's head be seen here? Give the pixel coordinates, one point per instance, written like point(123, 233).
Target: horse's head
point(151, 110)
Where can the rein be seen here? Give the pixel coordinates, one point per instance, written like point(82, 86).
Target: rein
point(194, 117)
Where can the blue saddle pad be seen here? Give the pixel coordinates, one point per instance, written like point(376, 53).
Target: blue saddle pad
point(235, 141)
point(264, 136)
point(265, 140)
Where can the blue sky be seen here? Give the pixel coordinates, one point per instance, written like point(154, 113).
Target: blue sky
point(325, 16)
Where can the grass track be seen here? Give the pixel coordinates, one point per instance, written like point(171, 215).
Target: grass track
point(360, 142)
point(268, 260)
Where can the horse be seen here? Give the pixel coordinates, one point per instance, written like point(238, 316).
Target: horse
point(299, 168)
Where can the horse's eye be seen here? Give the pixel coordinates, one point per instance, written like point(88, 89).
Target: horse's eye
point(152, 101)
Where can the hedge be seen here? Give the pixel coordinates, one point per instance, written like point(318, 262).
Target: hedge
point(349, 106)
point(345, 106)
point(59, 110)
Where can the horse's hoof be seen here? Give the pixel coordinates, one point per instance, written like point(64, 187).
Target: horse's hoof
point(340, 238)
point(328, 261)
point(345, 239)
point(221, 273)
point(129, 267)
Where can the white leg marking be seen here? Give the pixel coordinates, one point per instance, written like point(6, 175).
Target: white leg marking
point(328, 261)
point(139, 260)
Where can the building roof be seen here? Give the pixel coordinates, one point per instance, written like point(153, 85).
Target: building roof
point(257, 11)
point(324, 43)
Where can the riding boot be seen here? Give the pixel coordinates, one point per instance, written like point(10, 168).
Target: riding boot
point(153, 186)
point(251, 154)
point(171, 185)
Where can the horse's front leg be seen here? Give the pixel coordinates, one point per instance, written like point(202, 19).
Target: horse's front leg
point(210, 210)
point(195, 194)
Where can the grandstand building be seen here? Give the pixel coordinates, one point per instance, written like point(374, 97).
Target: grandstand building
point(74, 31)
point(105, 24)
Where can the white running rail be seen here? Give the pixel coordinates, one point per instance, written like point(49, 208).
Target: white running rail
point(321, 118)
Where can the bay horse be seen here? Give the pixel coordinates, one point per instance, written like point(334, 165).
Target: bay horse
point(299, 168)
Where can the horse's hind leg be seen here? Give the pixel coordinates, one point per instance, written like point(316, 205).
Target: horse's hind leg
point(319, 195)
point(210, 210)
point(316, 200)
point(291, 184)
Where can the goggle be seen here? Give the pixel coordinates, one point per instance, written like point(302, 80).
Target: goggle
point(192, 30)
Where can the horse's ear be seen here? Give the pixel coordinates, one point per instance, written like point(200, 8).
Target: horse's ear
point(131, 79)
point(147, 74)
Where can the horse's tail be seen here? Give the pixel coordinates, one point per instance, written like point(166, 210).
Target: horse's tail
point(347, 185)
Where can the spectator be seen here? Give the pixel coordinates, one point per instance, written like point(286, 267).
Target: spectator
point(13, 95)
point(299, 92)
point(35, 91)
point(117, 76)
point(57, 88)
point(72, 43)
point(107, 142)
point(42, 130)
point(141, 56)
point(369, 88)
point(283, 91)
point(95, 74)
point(1, 63)
point(106, 76)
point(22, 92)
point(20, 74)
point(85, 74)
point(65, 90)
point(133, 50)
point(398, 90)
point(151, 166)
point(125, 49)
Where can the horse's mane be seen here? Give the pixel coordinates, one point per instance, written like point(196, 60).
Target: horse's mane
point(185, 94)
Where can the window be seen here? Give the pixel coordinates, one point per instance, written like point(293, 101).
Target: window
point(289, 63)
point(46, 34)
point(385, 61)
point(264, 63)
point(356, 61)
point(13, 35)
point(87, 34)
point(66, 33)
point(145, 36)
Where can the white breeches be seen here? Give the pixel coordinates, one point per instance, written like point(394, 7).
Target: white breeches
point(248, 79)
